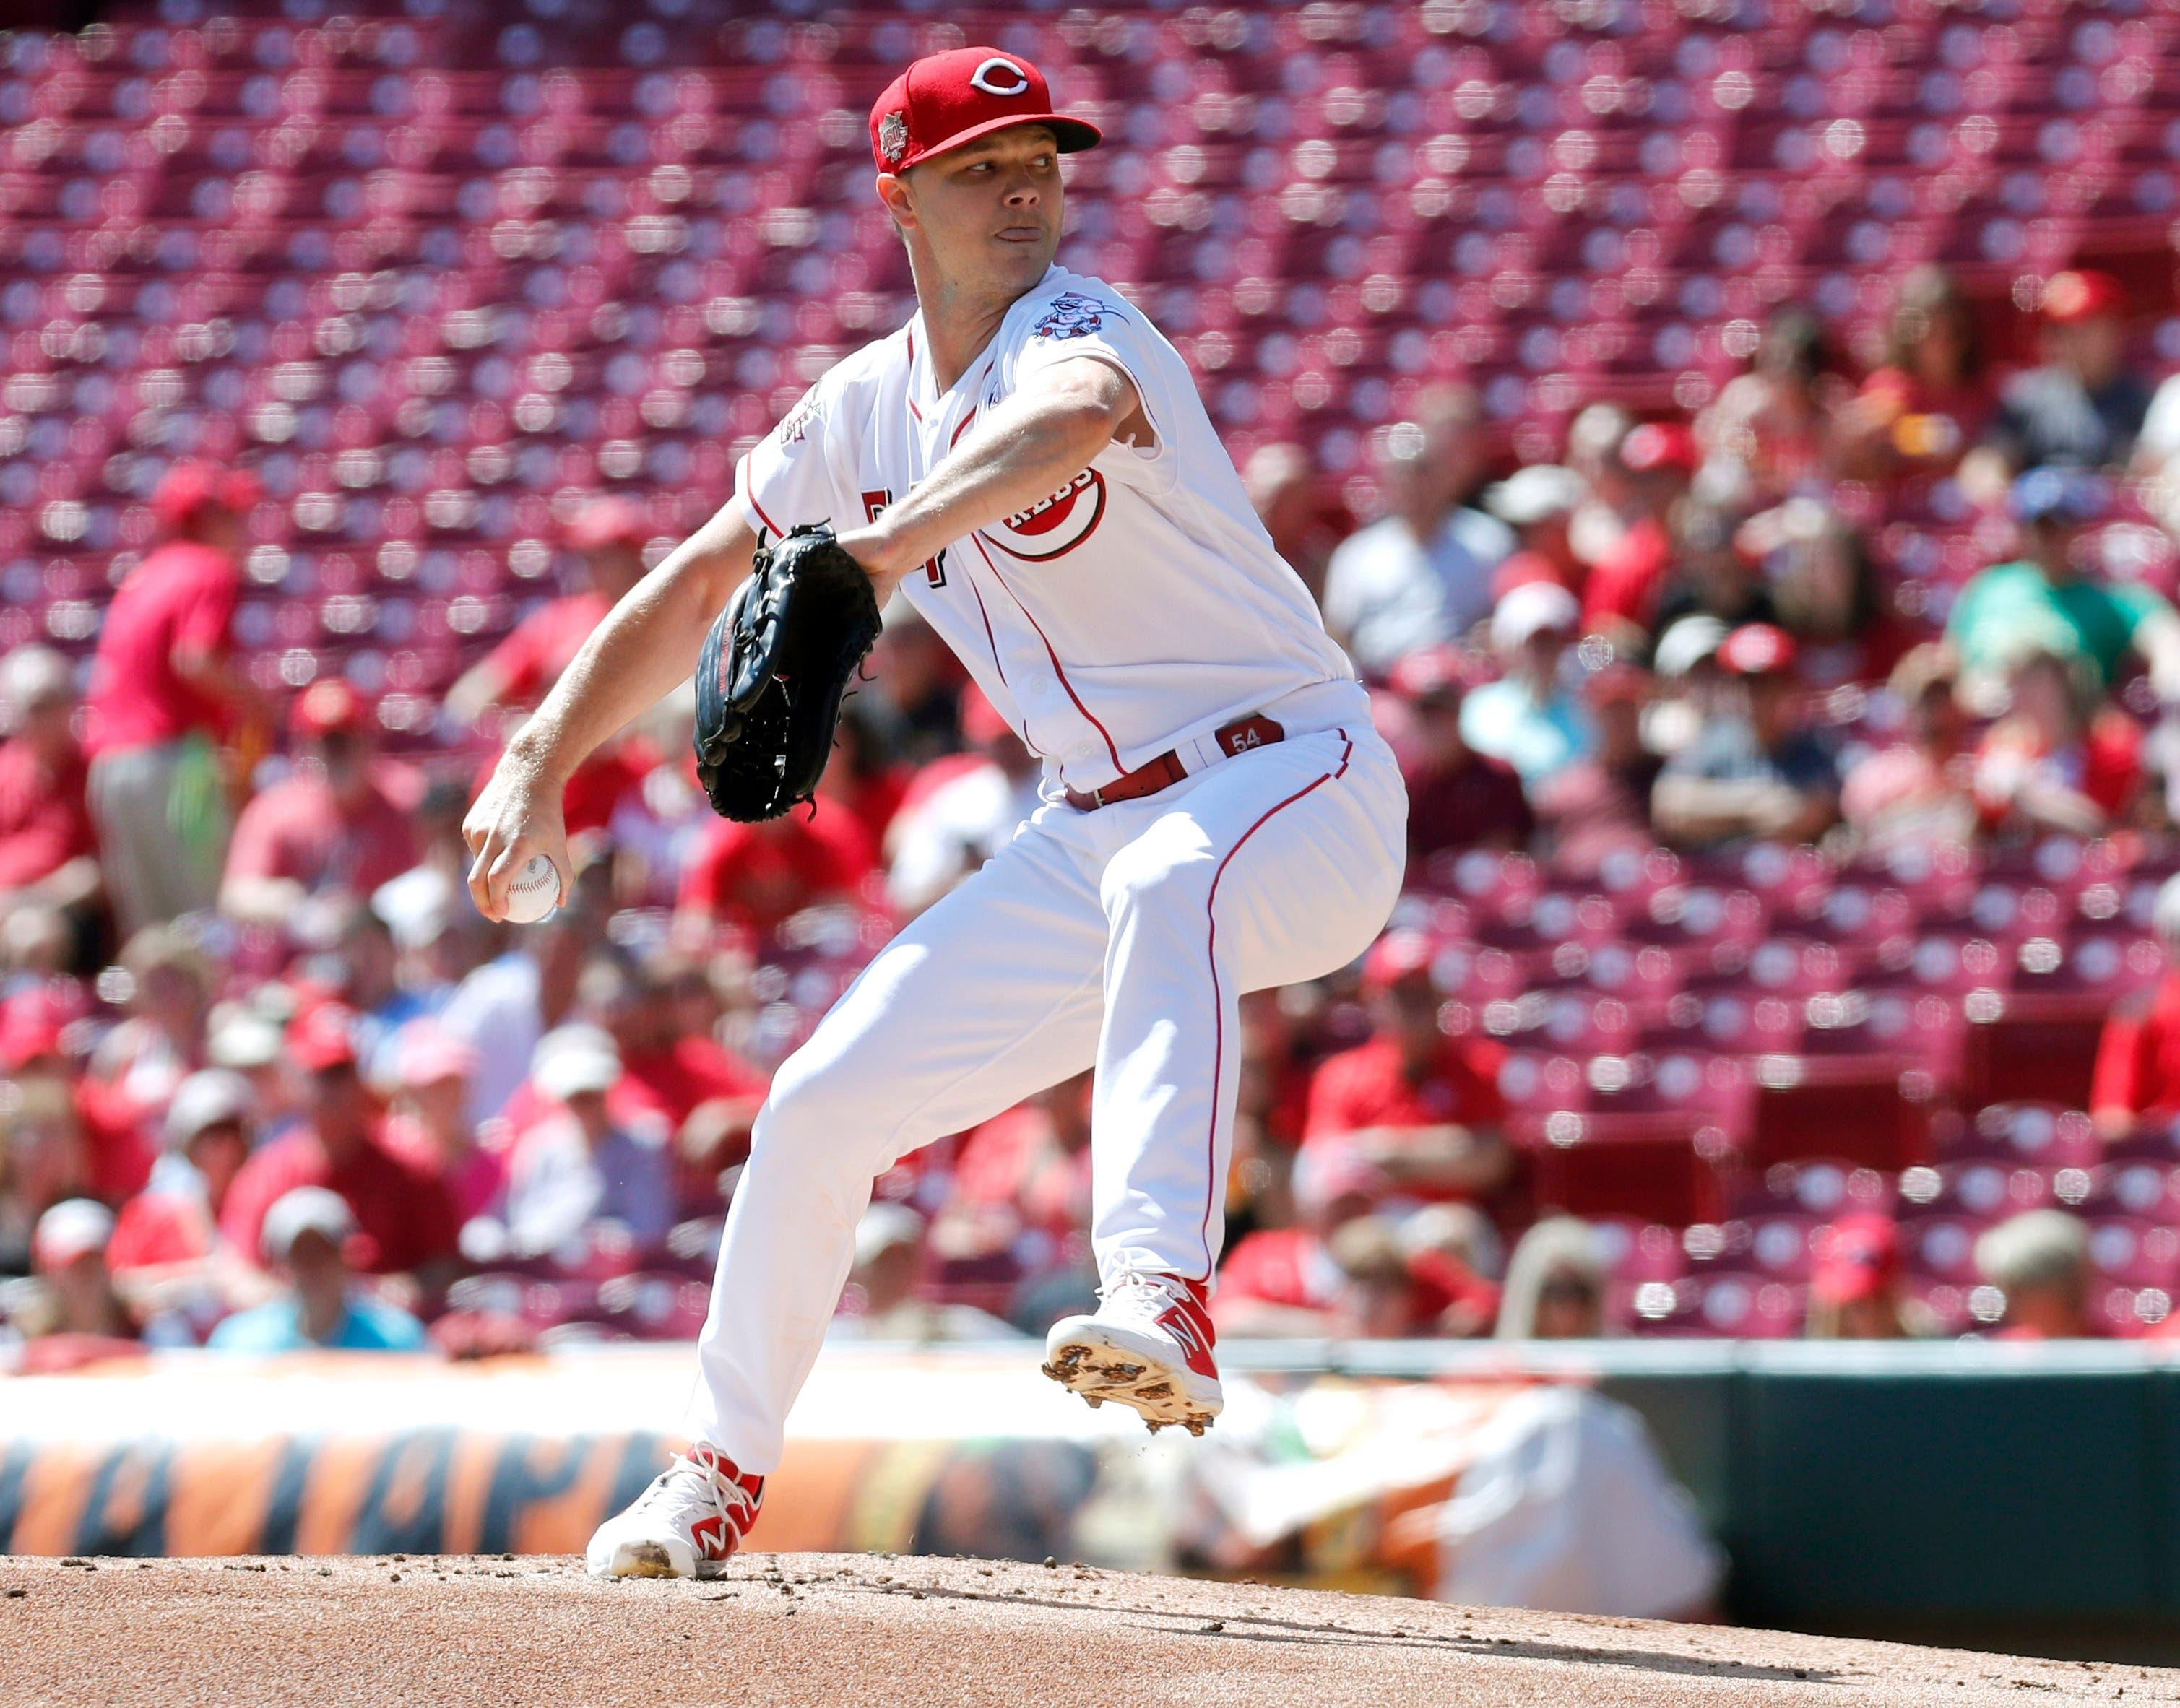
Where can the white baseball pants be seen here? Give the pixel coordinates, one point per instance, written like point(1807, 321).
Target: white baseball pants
point(1122, 937)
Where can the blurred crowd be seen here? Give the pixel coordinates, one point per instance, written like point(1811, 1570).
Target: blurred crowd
point(270, 1082)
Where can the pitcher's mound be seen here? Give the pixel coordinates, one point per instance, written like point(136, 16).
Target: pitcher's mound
point(830, 1629)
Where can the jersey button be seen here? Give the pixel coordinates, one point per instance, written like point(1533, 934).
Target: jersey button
point(1037, 683)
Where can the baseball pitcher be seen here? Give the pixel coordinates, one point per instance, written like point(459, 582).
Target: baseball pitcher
point(1027, 461)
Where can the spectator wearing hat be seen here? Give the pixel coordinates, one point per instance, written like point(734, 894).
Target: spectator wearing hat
point(1530, 718)
point(1420, 1108)
point(1753, 771)
point(76, 1300)
point(1282, 1281)
point(1655, 462)
point(344, 822)
point(48, 850)
point(2058, 759)
point(429, 1127)
point(1857, 1284)
point(169, 1232)
point(1917, 792)
point(883, 1299)
point(606, 539)
point(339, 1143)
point(2138, 1073)
point(311, 1245)
point(1599, 806)
point(2084, 407)
point(581, 1166)
point(2039, 1263)
point(1458, 798)
point(1555, 1284)
point(1540, 503)
point(1288, 495)
point(1421, 574)
point(2043, 599)
point(166, 685)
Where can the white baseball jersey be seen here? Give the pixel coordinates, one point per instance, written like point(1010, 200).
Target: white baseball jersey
point(1128, 613)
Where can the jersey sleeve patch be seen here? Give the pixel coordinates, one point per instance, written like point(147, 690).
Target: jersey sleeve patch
point(1070, 314)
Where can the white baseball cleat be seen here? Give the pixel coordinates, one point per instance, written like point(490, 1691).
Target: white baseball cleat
point(688, 1523)
point(1147, 1346)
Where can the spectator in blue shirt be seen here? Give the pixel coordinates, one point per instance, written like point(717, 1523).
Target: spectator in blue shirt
point(1530, 718)
point(308, 1235)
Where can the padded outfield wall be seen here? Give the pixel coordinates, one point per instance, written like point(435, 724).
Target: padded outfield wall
point(2010, 1497)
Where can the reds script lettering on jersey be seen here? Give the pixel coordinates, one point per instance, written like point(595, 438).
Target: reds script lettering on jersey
point(1127, 613)
point(1130, 616)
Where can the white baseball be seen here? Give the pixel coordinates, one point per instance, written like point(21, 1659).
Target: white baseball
point(535, 892)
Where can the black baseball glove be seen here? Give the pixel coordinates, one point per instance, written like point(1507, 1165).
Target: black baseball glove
point(774, 669)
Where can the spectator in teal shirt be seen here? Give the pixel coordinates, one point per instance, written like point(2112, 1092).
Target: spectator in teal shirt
point(2041, 600)
point(308, 1233)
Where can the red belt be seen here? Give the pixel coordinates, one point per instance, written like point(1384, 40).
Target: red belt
point(1167, 770)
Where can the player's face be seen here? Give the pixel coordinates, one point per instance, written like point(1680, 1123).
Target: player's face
point(990, 210)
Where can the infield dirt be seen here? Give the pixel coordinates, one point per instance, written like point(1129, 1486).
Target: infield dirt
point(901, 1632)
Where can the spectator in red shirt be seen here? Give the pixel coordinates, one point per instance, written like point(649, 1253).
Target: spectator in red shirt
point(97, 1146)
point(340, 1144)
point(1620, 598)
point(2039, 1263)
point(688, 1085)
point(48, 851)
point(757, 876)
point(1021, 1185)
point(608, 537)
point(168, 1231)
point(2138, 1072)
point(1421, 1108)
point(1458, 798)
point(342, 822)
point(164, 687)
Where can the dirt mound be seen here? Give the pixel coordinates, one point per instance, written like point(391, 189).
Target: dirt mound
point(827, 1629)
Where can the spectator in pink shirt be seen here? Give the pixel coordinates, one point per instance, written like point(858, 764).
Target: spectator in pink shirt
point(429, 1127)
point(344, 822)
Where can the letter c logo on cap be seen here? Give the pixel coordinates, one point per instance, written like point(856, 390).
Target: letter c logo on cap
point(1000, 77)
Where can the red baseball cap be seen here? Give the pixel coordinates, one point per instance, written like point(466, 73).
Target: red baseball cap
point(1757, 649)
point(607, 521)
point(2076, 295)
point(322, 1037)
point(328, 706)
point(1660, 445)
point(188, 489)
point(1396, 956)
point(1437, 673)
point(945, 100)
point(1857, 1257)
